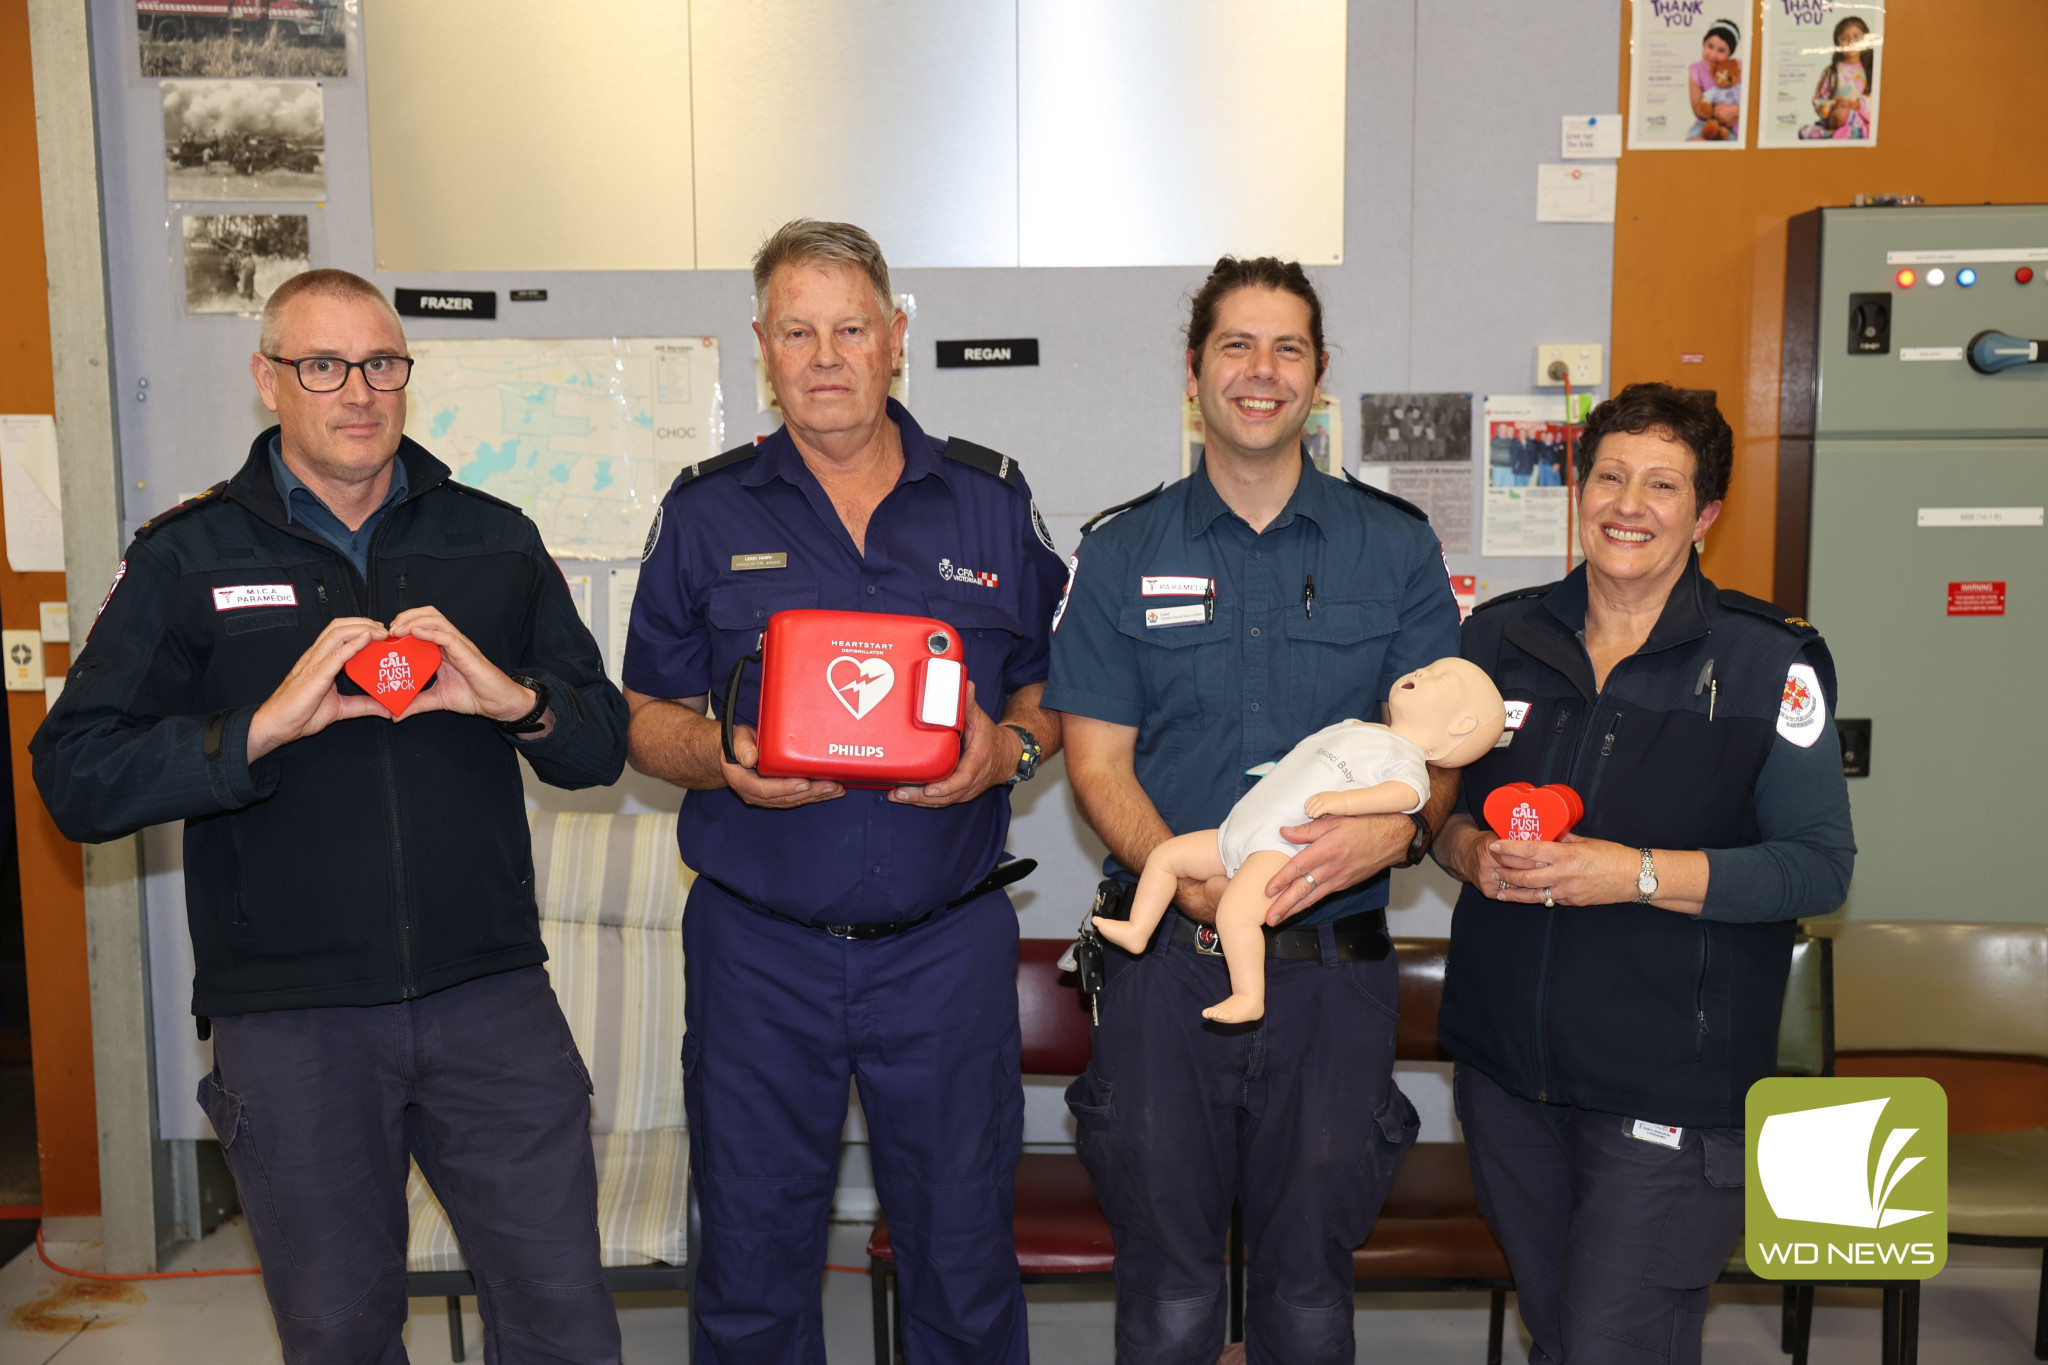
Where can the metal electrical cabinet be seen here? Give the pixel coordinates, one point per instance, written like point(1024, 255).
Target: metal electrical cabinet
point(1922, 480)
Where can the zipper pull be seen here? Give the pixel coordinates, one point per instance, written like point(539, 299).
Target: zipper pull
point(401, 592)
point(320, 590)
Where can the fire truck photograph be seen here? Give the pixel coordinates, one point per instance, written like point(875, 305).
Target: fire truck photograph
point(242, 37)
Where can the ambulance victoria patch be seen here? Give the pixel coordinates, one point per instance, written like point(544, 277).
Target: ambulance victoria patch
point(1802, 711)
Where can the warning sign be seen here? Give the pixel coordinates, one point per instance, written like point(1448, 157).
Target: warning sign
point(1982, 598)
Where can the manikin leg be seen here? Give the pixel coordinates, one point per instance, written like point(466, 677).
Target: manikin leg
point(1240, 924)
point(1189, 855)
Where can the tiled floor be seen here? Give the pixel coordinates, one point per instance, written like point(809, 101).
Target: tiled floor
point(1980, 1310)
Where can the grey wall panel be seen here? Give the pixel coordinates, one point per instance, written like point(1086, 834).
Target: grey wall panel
point(1447, 282)
point(791, 113)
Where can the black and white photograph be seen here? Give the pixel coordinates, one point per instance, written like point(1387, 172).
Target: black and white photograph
point(244, 140)
point(234, 260)
point(1398, 427)
point(242, 37)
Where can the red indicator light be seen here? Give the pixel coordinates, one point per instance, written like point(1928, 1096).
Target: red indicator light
point(2024, 275)
point(1905, 279)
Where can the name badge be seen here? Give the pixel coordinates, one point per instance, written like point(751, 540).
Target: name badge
point(1518, 712)
point(777, 560)
point(1662, 1134)
point(1189, 615)
point(254, 595)
point(1151, 586)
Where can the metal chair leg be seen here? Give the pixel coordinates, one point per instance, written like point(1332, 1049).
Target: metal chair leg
point(1788, 1317)
point(878, 1307)
point(1802, 1323)
point(896, 1312)
point(2041, 1312)
point(1909, 1325)
point(1496, 1325)
point(1236, 1273)
point(455, 1351)
point(1894, 1299)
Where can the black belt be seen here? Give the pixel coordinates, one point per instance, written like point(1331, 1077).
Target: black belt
point(1015, 870)
point(1359, 938)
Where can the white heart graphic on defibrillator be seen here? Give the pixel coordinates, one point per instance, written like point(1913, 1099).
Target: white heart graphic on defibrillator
point(861, 686)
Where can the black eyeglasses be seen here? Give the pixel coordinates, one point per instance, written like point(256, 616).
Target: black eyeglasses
point(328, 373)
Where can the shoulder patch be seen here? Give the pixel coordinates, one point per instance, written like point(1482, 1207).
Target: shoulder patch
point(1519, 595)
point(1756, 606)
point(1401, 504)
point(982, 458)
point(157, 522)
point(492, 498)
point(1106, 513)
point(738, 455)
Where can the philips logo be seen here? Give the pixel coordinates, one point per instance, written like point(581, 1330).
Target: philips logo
point(854, 750)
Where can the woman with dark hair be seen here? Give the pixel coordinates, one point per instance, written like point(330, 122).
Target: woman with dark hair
point(1613, 994)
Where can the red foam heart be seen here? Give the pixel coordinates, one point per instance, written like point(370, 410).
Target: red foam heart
point(394, 670)
point(1522, 811)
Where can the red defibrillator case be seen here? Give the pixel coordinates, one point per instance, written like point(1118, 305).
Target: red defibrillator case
point(859, 698)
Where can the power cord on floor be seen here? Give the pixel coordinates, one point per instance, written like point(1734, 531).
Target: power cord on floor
point(159, 1275)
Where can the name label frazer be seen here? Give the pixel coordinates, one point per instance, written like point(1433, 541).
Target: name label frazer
point(446, 303)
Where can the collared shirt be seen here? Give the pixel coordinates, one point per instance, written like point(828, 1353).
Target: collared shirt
point(949, 541)
point(1219, 685)
point(303, 507)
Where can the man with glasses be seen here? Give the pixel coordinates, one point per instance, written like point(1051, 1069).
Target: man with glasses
point(359, 884)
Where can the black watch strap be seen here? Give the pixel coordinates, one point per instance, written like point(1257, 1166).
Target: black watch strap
point(1419, 842)
point(531, 721)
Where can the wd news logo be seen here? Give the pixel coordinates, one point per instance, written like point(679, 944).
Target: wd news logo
point(1848, 1179)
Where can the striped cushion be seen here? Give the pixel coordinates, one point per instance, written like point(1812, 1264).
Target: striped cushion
point(611, 901)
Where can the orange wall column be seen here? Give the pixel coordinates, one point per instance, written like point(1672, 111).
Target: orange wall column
point(1699, 236)
point(52, 870)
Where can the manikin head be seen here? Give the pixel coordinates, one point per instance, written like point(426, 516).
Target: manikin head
point(1449, 709)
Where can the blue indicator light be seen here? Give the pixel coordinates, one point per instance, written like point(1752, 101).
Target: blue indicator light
point(1966, 277)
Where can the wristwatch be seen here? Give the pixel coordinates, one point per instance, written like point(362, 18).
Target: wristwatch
point(531, 721)
point(1027, 763)
point(1419, 842)
point(1646, 880)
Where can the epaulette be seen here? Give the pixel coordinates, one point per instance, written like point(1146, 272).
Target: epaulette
point(157, 522)
point(492, 498)
point(693, 472)
point(1106, 513)
point(1770, 611)
point(1518, 595)
point(1401, 504)
point(986, 460)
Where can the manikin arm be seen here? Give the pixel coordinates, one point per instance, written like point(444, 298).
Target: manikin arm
point(1392, 797)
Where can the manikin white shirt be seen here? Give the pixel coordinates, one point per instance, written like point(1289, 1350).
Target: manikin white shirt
point(1342, 757)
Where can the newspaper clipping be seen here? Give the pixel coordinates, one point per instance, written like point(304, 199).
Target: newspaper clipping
point(1418, 446)
point(1525, 497)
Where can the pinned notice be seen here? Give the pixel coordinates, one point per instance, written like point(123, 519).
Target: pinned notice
point(29, 494)
point(1575, 194)
point(1981, 598)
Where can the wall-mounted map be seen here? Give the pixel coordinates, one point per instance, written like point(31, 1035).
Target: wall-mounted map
point(584, 435)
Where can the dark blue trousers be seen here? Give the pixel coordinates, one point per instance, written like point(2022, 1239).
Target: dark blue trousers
point(317, 1111)
point(1615, 1242)
point(780, 1016)
point(1296, 1117)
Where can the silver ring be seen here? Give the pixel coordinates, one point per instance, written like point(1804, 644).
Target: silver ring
point(1310, 878)
point(1503, 882)
point(1547, 901)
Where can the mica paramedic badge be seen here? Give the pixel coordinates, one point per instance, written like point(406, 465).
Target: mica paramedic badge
point(395, 670)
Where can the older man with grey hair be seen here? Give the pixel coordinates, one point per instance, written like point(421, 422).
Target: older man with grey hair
point(836, 934)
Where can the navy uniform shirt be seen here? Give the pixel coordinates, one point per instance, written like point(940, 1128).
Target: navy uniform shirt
point(1239, 685)
point(952, 540)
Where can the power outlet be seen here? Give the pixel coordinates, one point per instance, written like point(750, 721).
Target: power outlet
point(1582, 361)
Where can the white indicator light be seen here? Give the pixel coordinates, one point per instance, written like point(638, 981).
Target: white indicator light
point(1935, 276)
